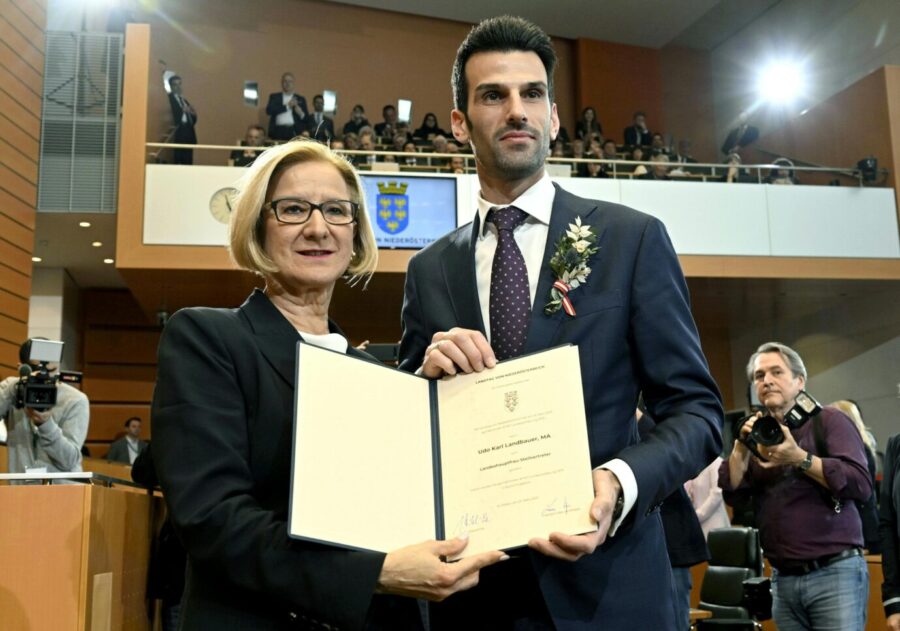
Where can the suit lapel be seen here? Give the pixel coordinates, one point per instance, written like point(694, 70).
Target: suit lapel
point(458, 266)
point(272, 331)
point(542, 328)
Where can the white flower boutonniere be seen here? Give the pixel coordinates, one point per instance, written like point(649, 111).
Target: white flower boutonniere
point(569, 265)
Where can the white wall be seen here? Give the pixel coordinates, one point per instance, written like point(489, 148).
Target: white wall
point(54, 311)
point(840, 42)
point(872, 379)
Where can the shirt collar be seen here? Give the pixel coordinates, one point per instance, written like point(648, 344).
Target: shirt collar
point(537, 201)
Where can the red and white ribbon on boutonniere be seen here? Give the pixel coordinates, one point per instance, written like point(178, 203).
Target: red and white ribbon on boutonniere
point(563, 290)
point(569, 265)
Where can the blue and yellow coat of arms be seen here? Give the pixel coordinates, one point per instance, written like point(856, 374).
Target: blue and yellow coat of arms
point(392, 214)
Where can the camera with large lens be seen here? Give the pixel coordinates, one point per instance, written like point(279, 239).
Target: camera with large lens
point(36, 387)
point(766, 431)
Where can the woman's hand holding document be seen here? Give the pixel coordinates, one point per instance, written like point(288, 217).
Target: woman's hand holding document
point(499, 455)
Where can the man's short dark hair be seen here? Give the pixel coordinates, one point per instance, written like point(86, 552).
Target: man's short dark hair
point(259, 128)
point(501, 34)
point(318, 96)
point(174, 77)
point(133, 418)
point(387, 108)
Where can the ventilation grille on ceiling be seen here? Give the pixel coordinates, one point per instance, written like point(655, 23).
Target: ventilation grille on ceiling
point(80, 122)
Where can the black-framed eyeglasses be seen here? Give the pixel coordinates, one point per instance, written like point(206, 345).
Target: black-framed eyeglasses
point(337, 212)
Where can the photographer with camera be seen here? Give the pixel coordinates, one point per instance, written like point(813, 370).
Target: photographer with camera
point(806, 467)
point(46, 419)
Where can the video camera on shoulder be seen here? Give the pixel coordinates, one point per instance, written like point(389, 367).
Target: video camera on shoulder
point(36, 388)
point(766, 430)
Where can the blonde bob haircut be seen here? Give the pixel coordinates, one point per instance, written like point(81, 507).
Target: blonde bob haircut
point(247, 232)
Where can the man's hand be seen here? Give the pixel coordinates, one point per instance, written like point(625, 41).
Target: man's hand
point(418, 572)
point(457, 350)
point(893, 622)
point(38, 418)
point(572, 547)
point(787, 452)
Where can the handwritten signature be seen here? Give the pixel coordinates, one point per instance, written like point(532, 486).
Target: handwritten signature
point(471, 521)
point(557, 506)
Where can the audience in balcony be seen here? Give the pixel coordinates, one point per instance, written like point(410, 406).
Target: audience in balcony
point(577, 148)
point(637, 134)
point(440, 146)
point(636, 154)
point(784, 174)
point(357, 120)
point(184, 117)
point(658, 143)
point(741, 136)
point(736, 174)
point(319, 126)
point(385, 129)
point(351, 141)
point(458, 165)
point(429, 128)
point(410, 147)
point(287, 111)
point(660, 167)
point(684, 154)
point(588, 127)
point(255, 137)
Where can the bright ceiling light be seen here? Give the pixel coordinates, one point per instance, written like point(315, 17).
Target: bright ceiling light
point(97, 244)
point(781, 82)
point(36, 259)
point(84, 224)
point(108, 261)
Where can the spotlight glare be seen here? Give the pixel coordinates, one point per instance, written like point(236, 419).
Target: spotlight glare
point(97, 244)
point(84, 224)
point(108, 261)
point(36, 259)
point(781, 82)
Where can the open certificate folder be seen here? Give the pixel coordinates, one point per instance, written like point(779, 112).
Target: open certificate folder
point(384, 459)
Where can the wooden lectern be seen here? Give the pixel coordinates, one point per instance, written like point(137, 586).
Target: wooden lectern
point(73, 557)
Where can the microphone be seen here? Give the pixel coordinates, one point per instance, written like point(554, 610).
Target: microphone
point(24, 370)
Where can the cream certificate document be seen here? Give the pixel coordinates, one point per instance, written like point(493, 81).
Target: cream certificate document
point(383, 459)
point(514, 452)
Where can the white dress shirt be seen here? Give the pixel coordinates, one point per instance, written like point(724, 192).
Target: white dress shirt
point(286, 119)
point(531, 237)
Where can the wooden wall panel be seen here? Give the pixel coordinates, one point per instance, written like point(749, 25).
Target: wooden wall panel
point(15, 209)
point(688, 111)
point(22, 24)
point(14, 306)
point(618, 80)
point(119, 347)
point(13, 13)
point(29, 52)
point(108, 420)
point(19, 114)
point(15, 281)
point(19, 162)
point(23, 72)
point(14, 256)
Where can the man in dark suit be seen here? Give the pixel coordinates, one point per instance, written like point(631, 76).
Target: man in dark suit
point(319, 126)
point(637, 135)
point(633, 329)
point(184, 117)
point(387, 127)
point(127, 448)
point(287, 111)
point(741, 136)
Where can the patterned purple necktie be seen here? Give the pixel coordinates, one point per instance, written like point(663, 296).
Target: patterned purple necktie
point(510, 301)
